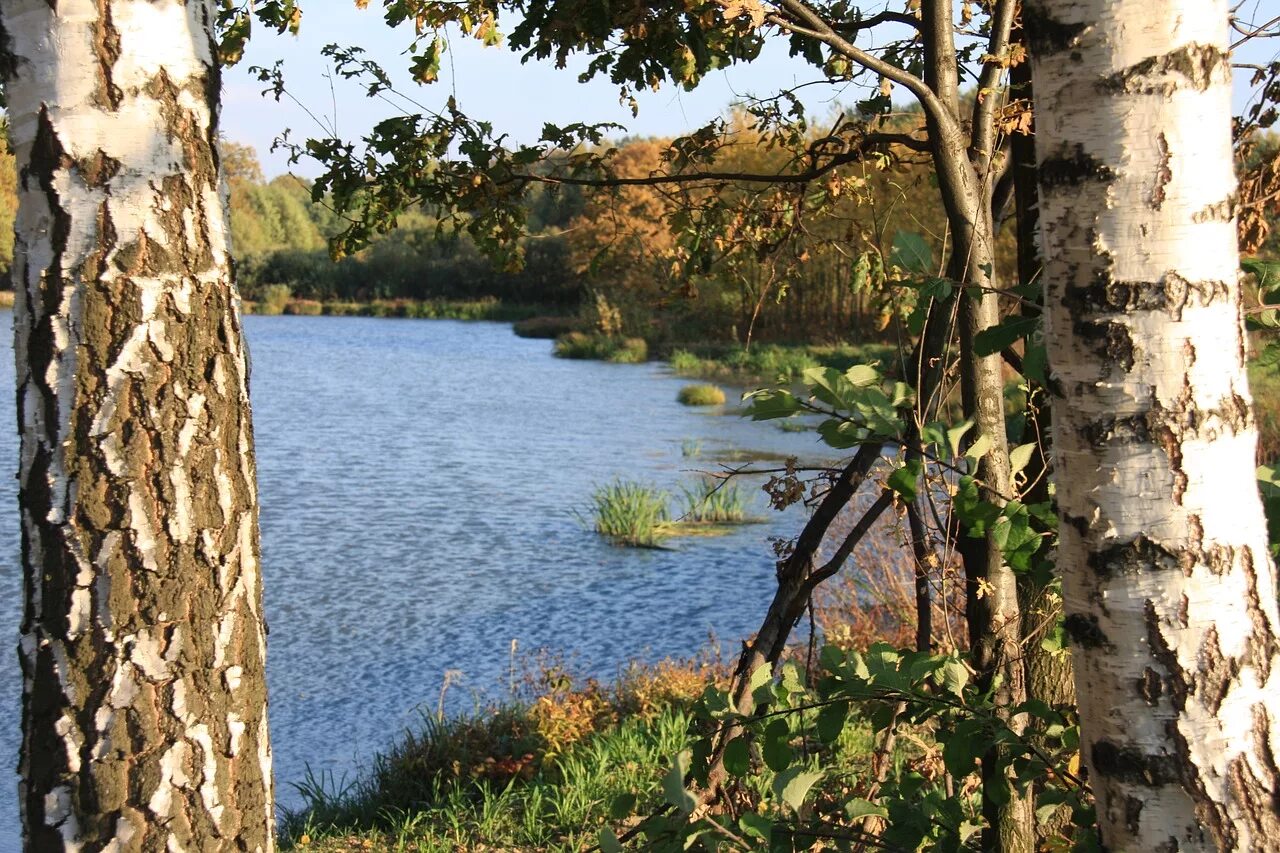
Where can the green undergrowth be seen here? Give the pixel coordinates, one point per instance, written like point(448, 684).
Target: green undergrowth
point(600, 347)
point(774, 362)
point(543, 775)
point(538, 775)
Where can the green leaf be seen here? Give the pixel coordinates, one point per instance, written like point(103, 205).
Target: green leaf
point(737, 757)
point(1020, 456)
point(762, 676)
point(768, 405)
point(956, 435)
point(755, 825)
point(857, 808)
point(609, 842)
point(623, 805)
point(673, 789)
point(905, 479)
point(831, 721)
point(978, 449)
point(996, 338)
point(912, 253)
point(955, 675)
point(937, 288)
point(862, 375)
point(791, 786)
point(776, 747)
point(1267, 272)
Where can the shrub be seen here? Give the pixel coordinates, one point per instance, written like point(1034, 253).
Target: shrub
point(701, 395)
point(274, 299)
point(630, 513)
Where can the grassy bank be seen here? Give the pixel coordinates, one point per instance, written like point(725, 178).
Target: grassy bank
point(538, 775)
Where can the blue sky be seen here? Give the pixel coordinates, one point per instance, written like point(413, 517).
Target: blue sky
point(492, 84)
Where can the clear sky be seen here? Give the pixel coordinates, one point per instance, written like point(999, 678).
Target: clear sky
point(492, 84)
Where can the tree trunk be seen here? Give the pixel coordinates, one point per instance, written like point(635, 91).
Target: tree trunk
point(1169, 590)
point(144, 701)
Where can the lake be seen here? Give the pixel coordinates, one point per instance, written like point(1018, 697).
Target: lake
point(418, 482)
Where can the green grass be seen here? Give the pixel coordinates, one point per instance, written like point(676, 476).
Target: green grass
point(701, 395)
point(410, 802)
point(773, 362)
point(630, 513)
point(714, 501)
point(602, 348)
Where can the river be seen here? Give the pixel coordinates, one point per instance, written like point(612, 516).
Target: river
point(418, 482)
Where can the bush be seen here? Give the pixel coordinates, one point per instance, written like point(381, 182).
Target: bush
point(274, 299)
point(701, 395)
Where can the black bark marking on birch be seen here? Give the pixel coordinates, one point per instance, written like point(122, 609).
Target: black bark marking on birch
point(1045, 34)
point(1072, 167)
point(1178, 686)
point(1214, 672)
point(1084, 631)
point(98, 170)
point(1259, 798)
point(106, 47)
point(1263, 646)
point(1210, 816)
point(1220, 211)
point(1164, 174)
point(1172, 293)
point(1193, 63)
point(1109, 340)
point(1133, 814)
point(1127, 764)
point(1150, 687)
point(1141, 556)
point(8, 59)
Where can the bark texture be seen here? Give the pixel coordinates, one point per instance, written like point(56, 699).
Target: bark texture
point(143, 644)
point(1169, 591)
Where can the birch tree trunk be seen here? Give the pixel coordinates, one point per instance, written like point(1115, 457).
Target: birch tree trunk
point(1170, 594)
point(144, 702)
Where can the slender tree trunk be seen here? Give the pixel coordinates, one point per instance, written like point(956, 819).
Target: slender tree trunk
point(144, 702)
point(1170, 593)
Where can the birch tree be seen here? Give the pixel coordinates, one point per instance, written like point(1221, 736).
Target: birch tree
point(1170, 593)
point(142, 648)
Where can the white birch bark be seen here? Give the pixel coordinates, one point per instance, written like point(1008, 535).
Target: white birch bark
point(143, 645)
point(1170, 593)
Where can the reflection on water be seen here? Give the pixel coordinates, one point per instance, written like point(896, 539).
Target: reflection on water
point(418, 481)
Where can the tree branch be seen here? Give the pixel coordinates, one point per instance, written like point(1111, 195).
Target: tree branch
point(809, 23)
point(867, 143)
point(984, 108)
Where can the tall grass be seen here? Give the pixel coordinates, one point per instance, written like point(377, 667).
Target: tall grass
point(714, 501)
point(630, 513)
point(274, 299)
